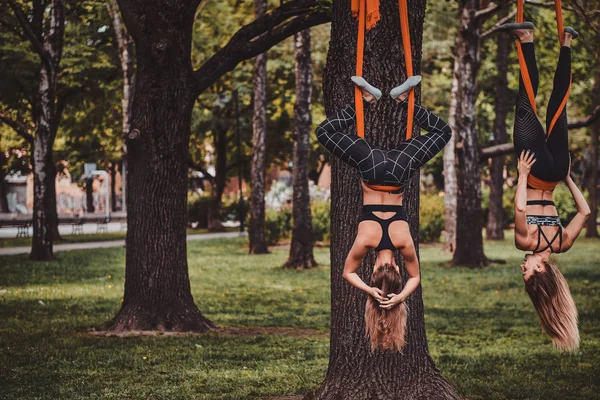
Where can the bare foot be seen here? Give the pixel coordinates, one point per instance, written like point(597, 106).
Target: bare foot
point(567, 39)
point(368, 96)
point(524, 35)
point(402, 96)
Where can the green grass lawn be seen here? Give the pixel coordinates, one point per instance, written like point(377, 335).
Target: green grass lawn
point(481, 328)
point(88, 237)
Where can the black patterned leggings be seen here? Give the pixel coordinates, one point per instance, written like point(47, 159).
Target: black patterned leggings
point(551, 152)
point(392, 167)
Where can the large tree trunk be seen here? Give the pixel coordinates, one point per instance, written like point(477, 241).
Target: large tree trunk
point(157, 285)
point(354, 372)
point(592, 229)
point(256, 229)
point(469, 238)
point(301, 250)
point(495, 224)
point(126, 55)
point(3, 199)
point(45, 218)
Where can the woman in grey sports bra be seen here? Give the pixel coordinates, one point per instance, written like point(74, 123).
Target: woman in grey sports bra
point(537, 226)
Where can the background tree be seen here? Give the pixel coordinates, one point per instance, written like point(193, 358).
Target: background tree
point(157, 290)
point(127, 58)
point(354, 372)
point(256, 229)
point(43, 26)
point(495, 220)
point(301, 249)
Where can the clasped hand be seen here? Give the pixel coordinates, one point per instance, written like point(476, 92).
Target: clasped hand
point(391, 301)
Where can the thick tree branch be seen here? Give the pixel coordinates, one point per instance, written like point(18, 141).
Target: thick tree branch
point(495, 151)
point(30, 34)
point(587, 121)
point(497, 24)
point(546, 4)
point(18, 127)
point(508, 148)
point(489, 11)
point(259, 36)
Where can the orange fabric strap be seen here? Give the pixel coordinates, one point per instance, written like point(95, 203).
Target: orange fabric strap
point(522, 63)
point(360, 44)
point(383, 188)
point(540, 184)
point(404, 30)
point(367, 12)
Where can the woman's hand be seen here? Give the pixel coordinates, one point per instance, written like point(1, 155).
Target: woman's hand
point(376, 294)
point(392, 301)
point(525, 162)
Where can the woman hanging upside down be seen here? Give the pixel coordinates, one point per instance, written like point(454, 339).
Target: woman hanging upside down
point(543, 162)
point(383, 224)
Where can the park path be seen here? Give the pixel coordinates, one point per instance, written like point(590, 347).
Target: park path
point(110, 243)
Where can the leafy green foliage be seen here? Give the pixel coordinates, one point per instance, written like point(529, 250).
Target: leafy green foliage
point(431, 217)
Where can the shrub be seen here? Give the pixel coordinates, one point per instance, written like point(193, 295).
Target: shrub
point(508, 205)
point(431, 216)
point(278, 225)
point(565, 205)
point(321, 220)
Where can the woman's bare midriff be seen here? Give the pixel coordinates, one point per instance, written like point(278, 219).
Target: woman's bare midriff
point(371, 196)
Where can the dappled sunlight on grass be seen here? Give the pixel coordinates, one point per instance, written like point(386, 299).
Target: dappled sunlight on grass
point(481, 328)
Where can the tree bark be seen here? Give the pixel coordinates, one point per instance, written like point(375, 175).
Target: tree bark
point(256, 229)
point(354, 372)
point(301, 249)
point(46, 36)
point(89, 195)
point(469, 239)
point(126, 55)
point(592, 228)
point(495, 224)
point(157, 286)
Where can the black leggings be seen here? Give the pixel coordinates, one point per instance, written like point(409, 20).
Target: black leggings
point(551, 152)
point(380, 167)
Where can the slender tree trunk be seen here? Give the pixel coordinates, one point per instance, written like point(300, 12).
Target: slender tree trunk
point(126, 55)
point(256, 229)
point(469, 221)
point(3, 198)
point(450, 184)
point(45, 218)
point(301, 250)
point(495, 224)
point(354, 372)
point(113, 186)
point(89, 195)
point(592, 229)
point(218, 187)
point(157, 286)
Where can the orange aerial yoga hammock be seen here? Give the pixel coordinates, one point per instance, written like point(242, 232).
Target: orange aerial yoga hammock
point(533, 181)
point(525, 73)
point(367, 12)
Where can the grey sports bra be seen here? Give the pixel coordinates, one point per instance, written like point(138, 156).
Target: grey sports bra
point(545, 220)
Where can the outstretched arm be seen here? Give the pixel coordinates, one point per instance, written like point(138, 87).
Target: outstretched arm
point(353, 261)
point(524, 164)
point(411, 263)
point(583, 212)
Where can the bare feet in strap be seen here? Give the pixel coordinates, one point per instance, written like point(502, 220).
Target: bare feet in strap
point(370, 93)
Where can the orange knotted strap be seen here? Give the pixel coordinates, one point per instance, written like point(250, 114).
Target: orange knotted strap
point(523, 64)
point(404, 30)
point(367, 12)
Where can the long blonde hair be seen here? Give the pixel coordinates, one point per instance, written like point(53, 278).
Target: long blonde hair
point(386, 328)
point(555, 307)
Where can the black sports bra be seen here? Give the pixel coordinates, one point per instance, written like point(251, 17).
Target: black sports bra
point(545, 220)
point(368, 215)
